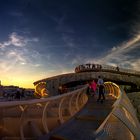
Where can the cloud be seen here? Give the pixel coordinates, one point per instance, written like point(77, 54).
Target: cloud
point(10, 59)
point(6, 65)
point(136, 64)
point(14, 53)
point(81, 59)
point(37, 65)
point(69, 41)
point(19, 59)
point(127, 53)
point(2, 46)
point(17, 41)
point(122, 55)
point(19, 56)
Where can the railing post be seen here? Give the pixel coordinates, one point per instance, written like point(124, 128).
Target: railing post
point(70, 108)
point(60, 110)
point(77, 100)
point(44, 120)
point(23, 109)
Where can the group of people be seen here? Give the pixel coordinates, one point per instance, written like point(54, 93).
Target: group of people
point(88, 67)
point(93, 86)
point(18, 94)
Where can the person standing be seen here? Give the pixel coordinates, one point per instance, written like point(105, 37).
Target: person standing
point(101, 90)
point(100, 81)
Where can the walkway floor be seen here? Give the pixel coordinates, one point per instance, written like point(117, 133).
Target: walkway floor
point(83, 126)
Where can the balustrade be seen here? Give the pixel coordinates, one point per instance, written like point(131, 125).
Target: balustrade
point(31, 119)
point(122, 122)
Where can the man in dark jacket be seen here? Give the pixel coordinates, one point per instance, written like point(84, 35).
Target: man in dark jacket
point(101, 89)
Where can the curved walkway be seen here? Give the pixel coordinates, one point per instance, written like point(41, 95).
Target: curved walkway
point(83, 125)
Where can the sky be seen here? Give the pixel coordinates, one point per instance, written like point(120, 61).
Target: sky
point(43, 38)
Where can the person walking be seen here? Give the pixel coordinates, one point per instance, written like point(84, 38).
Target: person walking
point(93, 86)
point(101, 90)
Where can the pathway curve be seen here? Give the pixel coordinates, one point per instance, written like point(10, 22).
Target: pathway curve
point(84, 124)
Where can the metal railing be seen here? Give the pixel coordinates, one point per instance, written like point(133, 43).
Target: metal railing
point(122, 122)
point(23, 120)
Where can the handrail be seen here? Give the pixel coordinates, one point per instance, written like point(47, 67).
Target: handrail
point(25, 113)
point(122, 122)
point(41, 100)
point(45, 114)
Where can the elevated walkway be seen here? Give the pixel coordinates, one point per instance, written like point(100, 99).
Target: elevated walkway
point(71, 116)
point(84, 124)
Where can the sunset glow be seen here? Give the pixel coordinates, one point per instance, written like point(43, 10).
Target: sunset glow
point(40, 39)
